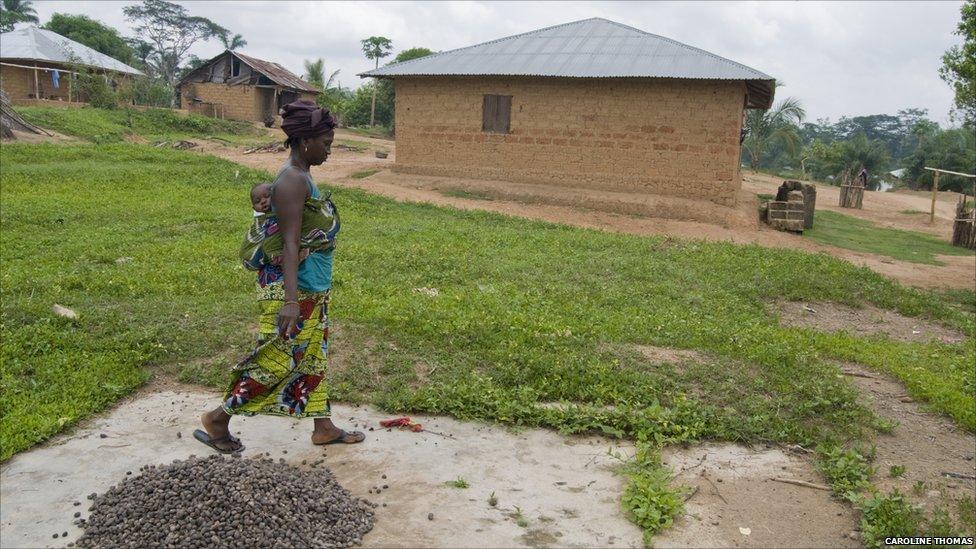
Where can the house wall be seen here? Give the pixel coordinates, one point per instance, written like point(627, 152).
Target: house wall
point(19, 83)
point(238, 102)
point(663, 136)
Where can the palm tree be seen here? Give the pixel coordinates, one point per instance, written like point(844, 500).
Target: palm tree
point(232, 43)
point(16, 11)
point(777, 124)
point(376, 47)
point(315, 74)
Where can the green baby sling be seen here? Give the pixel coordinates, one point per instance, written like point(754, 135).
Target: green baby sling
point(264, 245)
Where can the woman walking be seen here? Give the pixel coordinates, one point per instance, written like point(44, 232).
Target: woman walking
point(285, 375)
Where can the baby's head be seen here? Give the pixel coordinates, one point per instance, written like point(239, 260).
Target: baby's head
point(261, 197)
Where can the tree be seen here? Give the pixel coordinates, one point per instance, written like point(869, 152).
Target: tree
point(953, 149)
point(142, 51)
point(386, 92)
point(777, 125)
point(315, 74)
point(412, 53)
point(171, 32)
point(358, 109)
point(232, 43)
point(376, 48)
point(959, 65)
point(16, 11)
point(94, 34)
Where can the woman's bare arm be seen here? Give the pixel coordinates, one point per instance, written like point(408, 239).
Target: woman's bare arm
point(289, 202)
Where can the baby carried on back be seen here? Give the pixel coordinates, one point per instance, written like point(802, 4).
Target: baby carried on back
point(264, 245)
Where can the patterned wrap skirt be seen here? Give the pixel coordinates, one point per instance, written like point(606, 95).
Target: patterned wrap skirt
point(284, 376)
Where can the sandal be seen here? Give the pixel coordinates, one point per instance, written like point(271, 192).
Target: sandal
point(203, 437)
point(341, 439)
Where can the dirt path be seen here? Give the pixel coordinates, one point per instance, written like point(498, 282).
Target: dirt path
point(926, 445)
point(735, 502)
point(619, 212)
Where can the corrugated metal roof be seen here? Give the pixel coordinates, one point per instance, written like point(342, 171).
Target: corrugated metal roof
point(36, 44)
point(591, 48)
point(276, 73)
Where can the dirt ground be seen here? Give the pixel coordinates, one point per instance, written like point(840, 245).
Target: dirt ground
point(635, 213)
point(868, 320)
point(926, 445)
point(886, 209)
point(30, 137)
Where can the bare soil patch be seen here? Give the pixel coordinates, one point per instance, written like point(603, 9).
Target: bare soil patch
point(669, 355)
point(735, 502)
point(30, 137)
point(926, 445)
point(868, 320)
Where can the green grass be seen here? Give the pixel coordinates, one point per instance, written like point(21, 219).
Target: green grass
point(458, 483)
point(526, 312)
point(649, 499)
point(69, 212)
point(352, 144)
point(112, 126)
point(379, 132)
point(461, 193)
point(364, 174)
point(860, 235)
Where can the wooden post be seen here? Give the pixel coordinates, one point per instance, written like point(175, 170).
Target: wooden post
point(935, 190)
point(37, 85)
point(71, 76)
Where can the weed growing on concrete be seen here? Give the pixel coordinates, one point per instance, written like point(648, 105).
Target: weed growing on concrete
point(649, 498)
point(519, 517)
point(847, 471)
point(458, 483)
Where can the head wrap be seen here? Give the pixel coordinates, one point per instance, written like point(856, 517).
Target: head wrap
point(304, 119)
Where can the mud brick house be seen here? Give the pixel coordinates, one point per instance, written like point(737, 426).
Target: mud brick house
point(38, 64)
point(592, 103)
point(241, 87)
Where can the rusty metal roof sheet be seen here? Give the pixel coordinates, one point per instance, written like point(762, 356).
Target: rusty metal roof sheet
point(276, 73)
point(590, 48)
point(35, 44)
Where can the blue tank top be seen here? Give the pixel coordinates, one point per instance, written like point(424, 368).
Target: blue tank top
point(315, 273)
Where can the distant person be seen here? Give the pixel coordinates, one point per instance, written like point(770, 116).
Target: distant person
point(285, 374)
point(862, 176)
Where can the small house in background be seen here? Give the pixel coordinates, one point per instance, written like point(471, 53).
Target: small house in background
point(38, 64)
point(241, 87)
point(591, 104)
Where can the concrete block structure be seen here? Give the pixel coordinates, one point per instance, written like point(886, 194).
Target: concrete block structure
point(240, 87)
point(592, 104)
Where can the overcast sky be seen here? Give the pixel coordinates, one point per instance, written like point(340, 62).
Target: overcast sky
point(838, 58)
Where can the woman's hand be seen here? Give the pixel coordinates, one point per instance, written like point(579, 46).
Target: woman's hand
point(288, 320)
